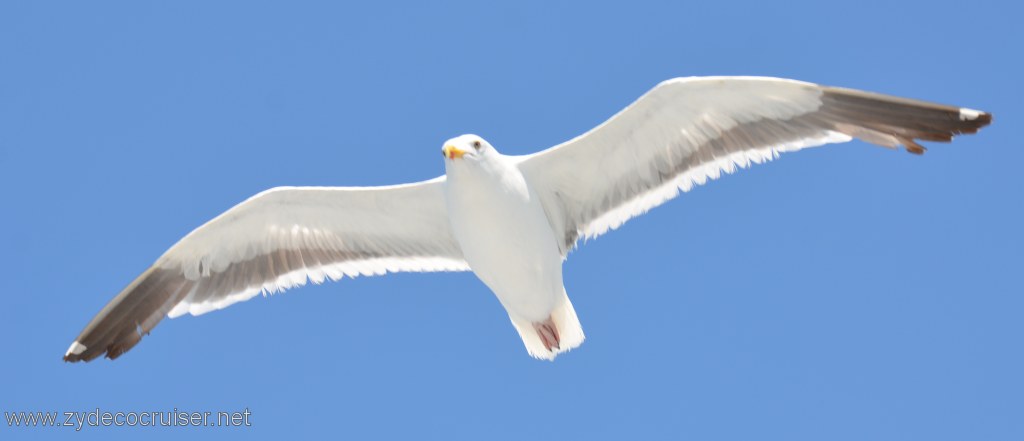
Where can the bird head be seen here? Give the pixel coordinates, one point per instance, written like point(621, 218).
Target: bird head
point(467, 148)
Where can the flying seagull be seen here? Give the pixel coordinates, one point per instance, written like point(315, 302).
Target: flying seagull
point(511, 220)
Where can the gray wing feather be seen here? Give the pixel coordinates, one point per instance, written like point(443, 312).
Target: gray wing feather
point(277, 240)
point(689, 130)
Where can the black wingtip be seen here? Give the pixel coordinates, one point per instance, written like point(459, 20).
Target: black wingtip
point(132, 314)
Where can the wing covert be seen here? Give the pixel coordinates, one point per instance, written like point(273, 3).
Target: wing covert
point(276, 240)
point(687, 131)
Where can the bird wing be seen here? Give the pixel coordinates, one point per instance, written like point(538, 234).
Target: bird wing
point(274, 241)
point(686, 131)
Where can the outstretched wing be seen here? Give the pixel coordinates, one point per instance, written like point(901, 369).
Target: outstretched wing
point(277, 240)
point(686, 131)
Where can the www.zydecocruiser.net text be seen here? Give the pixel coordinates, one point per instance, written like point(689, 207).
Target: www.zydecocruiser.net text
point(101, 418)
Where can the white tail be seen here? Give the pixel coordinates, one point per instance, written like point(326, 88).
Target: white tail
point(568, 332)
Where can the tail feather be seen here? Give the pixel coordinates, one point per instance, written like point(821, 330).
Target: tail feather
point(568, 332)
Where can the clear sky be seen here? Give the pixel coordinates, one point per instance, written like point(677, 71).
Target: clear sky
point(843, 293)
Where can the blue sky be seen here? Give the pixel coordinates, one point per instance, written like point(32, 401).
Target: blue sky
point(842, 293)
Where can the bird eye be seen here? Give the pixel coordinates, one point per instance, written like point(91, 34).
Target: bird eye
point(477, 145)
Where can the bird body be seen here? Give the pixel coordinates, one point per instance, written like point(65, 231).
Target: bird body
point(511, 220)
point(506, 238)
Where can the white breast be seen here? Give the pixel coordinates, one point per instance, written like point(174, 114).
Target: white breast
point(505, 237)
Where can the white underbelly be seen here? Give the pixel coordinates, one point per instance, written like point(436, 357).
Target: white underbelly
point(508, 242)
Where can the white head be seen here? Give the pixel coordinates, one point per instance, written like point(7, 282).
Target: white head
point(469, 148)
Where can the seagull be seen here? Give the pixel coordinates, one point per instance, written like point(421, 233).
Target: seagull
point(512, 220)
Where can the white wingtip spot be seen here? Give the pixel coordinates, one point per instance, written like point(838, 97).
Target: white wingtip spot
point(969, 114)
point(76, 348)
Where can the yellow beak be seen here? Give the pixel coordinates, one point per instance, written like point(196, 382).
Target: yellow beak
point(452, 152)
